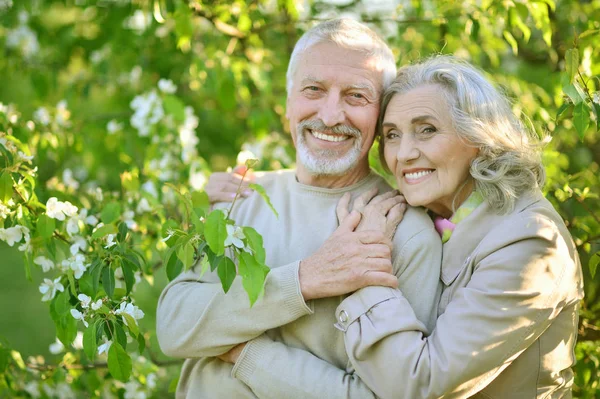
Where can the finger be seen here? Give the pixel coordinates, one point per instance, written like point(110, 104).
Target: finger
point(372, 237)
point(350, 223)
point(380, 278)
point(384, 206)
point(363, 199)
point(396, 214)
point(377, 251)
point(341, 210)
point(379, 265)
point(220, 197)
point(383, 197)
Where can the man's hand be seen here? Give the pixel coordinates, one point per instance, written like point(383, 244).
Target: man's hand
point(222, 186)
point(347, 261)
point(381, 213)
point(233, 354)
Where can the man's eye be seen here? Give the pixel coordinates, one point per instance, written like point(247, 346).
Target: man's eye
point(429, 129)
point(312, 88)
point(392, 134)
point(357, 95)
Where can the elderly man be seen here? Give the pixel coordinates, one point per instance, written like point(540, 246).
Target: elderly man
point(336, 74)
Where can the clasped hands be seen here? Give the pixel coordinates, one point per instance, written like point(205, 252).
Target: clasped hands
point(358, 253)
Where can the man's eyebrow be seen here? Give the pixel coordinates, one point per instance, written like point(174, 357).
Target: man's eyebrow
point(363, 86)
point(310, 80)
point(388, 124)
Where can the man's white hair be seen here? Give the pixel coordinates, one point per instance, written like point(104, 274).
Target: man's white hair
point(349, 34)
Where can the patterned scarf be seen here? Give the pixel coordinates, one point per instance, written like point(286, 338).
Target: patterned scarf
point(445, 227)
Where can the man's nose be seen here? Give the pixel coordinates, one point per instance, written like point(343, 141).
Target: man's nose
point(332, 111)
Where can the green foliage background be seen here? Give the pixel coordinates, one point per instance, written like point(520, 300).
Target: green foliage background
point(228, 61)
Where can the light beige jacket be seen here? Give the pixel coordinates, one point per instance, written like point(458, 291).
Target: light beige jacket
point(507, 317)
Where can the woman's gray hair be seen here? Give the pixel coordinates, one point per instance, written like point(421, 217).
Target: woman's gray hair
point(508, 163)
point(349, 34)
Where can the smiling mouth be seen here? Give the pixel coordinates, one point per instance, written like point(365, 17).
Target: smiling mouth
point(329, 137)
point(414, 176)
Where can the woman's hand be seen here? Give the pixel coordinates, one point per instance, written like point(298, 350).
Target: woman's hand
point(381, 213)
point(223, 186)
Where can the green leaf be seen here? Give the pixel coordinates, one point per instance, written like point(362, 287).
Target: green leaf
point(174, 265)
point(596, 109)
point(108, 281)
point(255, 241)
point(213, 259)
point(215, 231)
point(226, 271)
point(131, 324)
point(572, 63)
point(104, 230)
point(141, 343)
point(185, 253)
point(581, 119)
point(72, 284)
point(90, 341)
point(119, 362)
point(120, 335)
point(565, 106)
point(173, 385)
point(111, 212)
point(128, 275)
point(593, 265)
point(95, 272)
point(175, 107)
point(122, 234)
point(574, 92)
point(66, 329)
point(45, 226)
point(253, 276)
point(589, 32)
point(511, 40)
point(261, 191)
point(6, 186)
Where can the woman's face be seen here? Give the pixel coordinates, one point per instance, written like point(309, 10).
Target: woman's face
point(430, 162)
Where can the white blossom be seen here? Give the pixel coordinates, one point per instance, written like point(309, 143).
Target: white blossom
point(11, 235)
point(68, 179)
point(110, 241)
point(139, 21)
point(75, 263)
point(85, 300)
point(132, 390)
point(58, 210)
point(131, 310)
point(5, 4)
point(167, 86)
point(78, 341)
point(197, 178)
point(113, 126)
point(62, 113)
point(103, 348)
point(49, 287)
point(151, 381)
point(187, 135)
point(596, 97)
point(78, 244)
point(143, 206)
point(32, 388)
point(64, 391)
point(97, 305)
point(235, 235)
point(4, 211)
point(24, 157)
point(56, 347)
point(44, 262)
point(150, 188)
point(41, 115)
point(148, 111)
point(23, 38)
point(77, 315)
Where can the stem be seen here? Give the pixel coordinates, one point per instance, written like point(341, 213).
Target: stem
point(584, 205)
point(237, 194)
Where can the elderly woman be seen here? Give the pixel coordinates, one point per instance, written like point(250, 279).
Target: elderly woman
point(512, 283)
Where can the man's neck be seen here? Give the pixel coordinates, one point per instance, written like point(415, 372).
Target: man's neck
point(326, 181)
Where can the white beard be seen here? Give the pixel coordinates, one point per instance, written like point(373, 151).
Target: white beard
point(322, 162)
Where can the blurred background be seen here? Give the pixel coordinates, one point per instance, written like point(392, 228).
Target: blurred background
point(87, 71)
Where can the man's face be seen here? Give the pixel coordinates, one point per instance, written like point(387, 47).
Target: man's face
point(332, 108)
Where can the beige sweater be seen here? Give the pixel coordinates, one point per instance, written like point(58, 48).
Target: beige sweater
point(197, 321)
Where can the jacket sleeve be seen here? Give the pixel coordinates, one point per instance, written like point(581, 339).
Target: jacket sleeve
point(517, 288)
point(274, 370)
point(195, 318)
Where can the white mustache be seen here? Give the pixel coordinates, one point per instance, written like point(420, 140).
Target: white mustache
point(323, 128)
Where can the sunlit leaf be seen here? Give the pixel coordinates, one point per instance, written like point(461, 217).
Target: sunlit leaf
point(581, 118)
point(215, 231)
point(119, 362)
point(227, 272)
point(261, 191)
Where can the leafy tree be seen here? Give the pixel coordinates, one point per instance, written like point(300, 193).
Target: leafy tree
point(114, 112)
